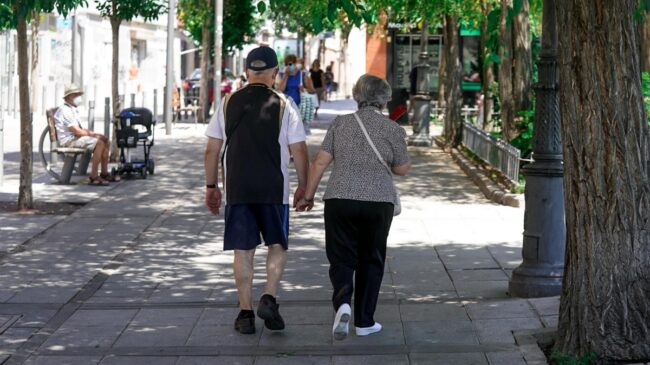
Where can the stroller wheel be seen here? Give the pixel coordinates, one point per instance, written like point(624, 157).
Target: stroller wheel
point(151, 165)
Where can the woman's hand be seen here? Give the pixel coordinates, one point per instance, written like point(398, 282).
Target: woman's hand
point(304, 205)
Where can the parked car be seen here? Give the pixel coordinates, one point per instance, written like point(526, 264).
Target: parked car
point(192, 85)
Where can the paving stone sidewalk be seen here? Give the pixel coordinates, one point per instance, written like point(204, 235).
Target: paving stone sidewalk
point(137, 276)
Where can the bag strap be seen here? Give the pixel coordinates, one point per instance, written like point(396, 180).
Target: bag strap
point(365, 133)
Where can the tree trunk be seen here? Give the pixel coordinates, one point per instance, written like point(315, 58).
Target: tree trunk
point(204, 93)
point(34, 86)
point(115, 68)
point(605, 304)
point(521, 60)
point(488, 70)
point(453, 77)
point(505, 74)
point(644, 29)
point(25, 197)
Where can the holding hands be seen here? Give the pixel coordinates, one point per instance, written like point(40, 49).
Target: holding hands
point(304, 205)
point(300, 203)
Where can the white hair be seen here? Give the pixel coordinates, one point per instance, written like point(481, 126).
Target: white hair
point(267, 72)
point(370, 89)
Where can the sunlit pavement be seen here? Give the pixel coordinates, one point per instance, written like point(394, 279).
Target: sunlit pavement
point(137, 276)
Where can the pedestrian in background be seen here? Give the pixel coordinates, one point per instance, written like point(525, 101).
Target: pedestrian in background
point(258, 128)
point(318, 79)
point(359, 201)
point(291, 78)
point(70, 133)
point(329, 81)
point(308, 98)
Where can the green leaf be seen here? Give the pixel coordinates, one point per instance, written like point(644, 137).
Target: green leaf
point(517, 5)
point(261, 7)
point(494, 58)
point(317, 23)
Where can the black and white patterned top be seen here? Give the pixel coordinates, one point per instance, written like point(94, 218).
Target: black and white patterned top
point(357, 173)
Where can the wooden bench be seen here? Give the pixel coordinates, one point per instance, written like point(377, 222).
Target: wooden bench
point(69, 154)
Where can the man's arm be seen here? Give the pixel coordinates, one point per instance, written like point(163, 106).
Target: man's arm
point(301, 161)
point(211, 162)
point(80, 132)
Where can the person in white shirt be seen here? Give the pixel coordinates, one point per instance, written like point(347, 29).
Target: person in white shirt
point(70, 133)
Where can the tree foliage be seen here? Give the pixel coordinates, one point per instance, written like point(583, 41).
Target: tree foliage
point(127, 10)
point(12, 10)
point(240, 21)
point(313, 17)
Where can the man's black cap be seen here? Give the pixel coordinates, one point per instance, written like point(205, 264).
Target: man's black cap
point(261, 58)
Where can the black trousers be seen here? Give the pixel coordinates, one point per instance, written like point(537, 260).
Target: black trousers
point(355, 238)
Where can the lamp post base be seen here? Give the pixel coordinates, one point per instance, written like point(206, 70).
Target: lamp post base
point(536, 281)
point(420, 140)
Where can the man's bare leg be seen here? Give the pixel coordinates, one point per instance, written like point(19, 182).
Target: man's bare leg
point(276, 260)
point(243, 267)
point(97, 157)
point(104, 155)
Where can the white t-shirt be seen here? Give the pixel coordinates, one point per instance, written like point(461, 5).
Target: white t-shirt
point(65, 117)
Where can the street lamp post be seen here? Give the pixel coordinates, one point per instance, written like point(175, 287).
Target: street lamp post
point(218, 29)
point(422, 99)
point(169, 84)
point(542, 269)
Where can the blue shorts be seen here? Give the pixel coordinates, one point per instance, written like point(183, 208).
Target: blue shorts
point(245, 223)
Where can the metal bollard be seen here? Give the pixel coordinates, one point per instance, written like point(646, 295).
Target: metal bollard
point(44, 102)
point(132, 100)
point(144, 100)
point(107, 117)
point(91, 115)
point(13, 111)
point(155, 104)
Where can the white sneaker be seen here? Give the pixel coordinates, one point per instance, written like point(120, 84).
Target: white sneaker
point(365, 331)
point(341, 322)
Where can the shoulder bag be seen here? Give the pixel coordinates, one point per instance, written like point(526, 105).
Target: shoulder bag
point(398, 204)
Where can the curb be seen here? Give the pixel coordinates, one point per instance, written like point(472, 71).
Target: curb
point(528, 342)
point(488, 187)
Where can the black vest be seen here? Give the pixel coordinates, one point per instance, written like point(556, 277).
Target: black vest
point(253, 121)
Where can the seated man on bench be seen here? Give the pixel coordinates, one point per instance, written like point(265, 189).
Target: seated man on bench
point(71, 134)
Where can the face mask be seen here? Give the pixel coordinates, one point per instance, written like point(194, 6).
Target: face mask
point(292, 68)
point(78, 100)
point(299, 66)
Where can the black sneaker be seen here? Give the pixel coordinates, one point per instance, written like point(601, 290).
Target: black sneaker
point(245, 322)
point(268, 310)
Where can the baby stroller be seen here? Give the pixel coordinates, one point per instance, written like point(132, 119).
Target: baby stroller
point(135, 126)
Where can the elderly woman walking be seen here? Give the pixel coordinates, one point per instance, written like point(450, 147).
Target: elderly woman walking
point(359, 201)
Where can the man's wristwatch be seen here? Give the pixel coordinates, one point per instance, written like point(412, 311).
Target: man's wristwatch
point(211, 186)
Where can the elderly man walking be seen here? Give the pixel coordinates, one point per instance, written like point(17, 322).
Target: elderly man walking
point(258, 128)
point(70, 133)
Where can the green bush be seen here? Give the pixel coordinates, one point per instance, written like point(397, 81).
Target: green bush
point(524, 141)
point(563, 359)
